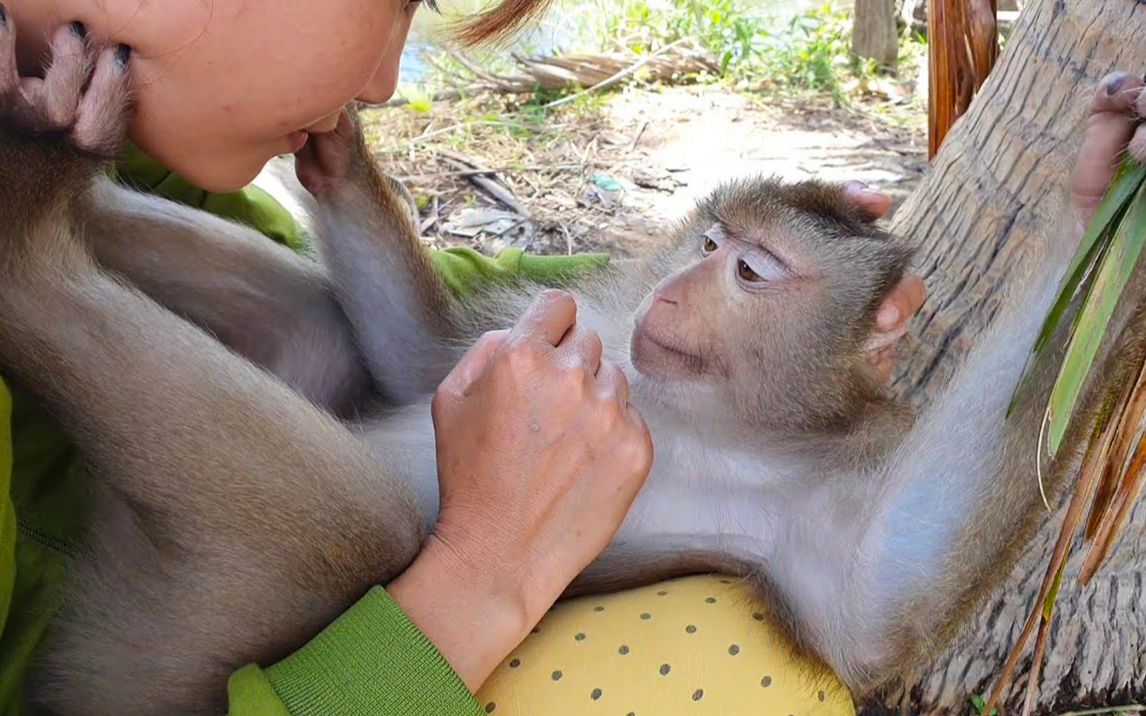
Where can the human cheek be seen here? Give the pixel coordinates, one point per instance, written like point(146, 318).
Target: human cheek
point(385, 81)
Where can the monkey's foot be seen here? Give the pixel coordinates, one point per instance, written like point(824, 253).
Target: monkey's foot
point(78, 108)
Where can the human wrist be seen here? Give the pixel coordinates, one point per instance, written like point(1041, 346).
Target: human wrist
point(469, 610)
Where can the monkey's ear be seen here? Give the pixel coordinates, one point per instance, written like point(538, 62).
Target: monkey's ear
point(893, 315)
point(870, 203)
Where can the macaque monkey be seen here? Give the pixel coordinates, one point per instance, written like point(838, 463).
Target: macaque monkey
point(250, 487)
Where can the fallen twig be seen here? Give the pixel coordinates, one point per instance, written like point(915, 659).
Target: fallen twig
point(481, 178)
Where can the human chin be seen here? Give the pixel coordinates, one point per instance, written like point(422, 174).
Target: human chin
point(222, 171)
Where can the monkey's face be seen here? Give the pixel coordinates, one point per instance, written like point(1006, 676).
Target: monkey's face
point(769, 301)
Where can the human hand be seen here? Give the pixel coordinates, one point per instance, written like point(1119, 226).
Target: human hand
point(539, 458)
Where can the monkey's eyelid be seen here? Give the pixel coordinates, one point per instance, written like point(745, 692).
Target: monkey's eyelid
point(716, 233)
point(766, 265)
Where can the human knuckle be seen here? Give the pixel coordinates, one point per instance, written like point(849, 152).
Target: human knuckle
point(440, 403)
point(522, 355)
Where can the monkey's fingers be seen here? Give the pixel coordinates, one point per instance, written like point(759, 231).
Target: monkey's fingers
point(327, 158)
point(551, 315)
point(9, 73)
point(104, 109)
point(1113, 114)
point(56, 98)
point(870, 202)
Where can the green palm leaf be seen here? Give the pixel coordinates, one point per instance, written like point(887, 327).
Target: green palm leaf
point(1107, 218)
point(1115, 264)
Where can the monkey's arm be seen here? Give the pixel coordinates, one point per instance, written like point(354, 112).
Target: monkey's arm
point(261, 300)
point(961, 493)
point(402, 312)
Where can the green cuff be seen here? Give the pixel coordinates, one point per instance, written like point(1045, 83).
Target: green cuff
point(466, 270)
point(371, 661)
point(250, 694)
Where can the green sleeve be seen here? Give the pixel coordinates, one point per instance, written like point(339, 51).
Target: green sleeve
point(251, 206)
point(371, 660)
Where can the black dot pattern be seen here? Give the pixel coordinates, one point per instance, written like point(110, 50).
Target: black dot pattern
point(702, 649)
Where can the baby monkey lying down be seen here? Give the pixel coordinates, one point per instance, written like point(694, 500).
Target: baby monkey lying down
point(236, 517)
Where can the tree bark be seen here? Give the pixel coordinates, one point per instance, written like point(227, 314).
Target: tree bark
point(874, 32)
point(998, 181)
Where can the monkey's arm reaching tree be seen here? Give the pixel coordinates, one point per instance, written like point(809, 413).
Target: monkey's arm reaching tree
point(961, 495)
point(402, 312)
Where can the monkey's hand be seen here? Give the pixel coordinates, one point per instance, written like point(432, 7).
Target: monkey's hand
point(1113, 129)
point(54, 129)
point(329, 160)
point(81, 104)
point(338, 162)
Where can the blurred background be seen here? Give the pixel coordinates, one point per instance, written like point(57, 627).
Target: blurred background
point(596, 129)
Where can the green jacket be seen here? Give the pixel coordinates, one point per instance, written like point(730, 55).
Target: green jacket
point(371, 660)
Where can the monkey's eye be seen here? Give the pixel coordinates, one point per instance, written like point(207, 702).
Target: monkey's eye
point(759, 266)
point(712, 239)
point(745, 272)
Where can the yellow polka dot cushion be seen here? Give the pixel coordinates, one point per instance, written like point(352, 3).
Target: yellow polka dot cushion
point(695, 645)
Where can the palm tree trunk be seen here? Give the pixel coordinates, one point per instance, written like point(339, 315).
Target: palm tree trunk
point(999, 180)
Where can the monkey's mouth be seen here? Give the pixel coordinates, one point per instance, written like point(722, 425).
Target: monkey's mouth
point(660, 355)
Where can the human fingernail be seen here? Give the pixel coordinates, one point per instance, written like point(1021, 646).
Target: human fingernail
point(122, 55)
point(79, 30)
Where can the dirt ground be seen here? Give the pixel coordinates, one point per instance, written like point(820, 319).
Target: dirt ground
point(612, 173)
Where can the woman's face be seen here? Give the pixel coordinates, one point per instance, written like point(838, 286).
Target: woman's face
point(222, 86)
